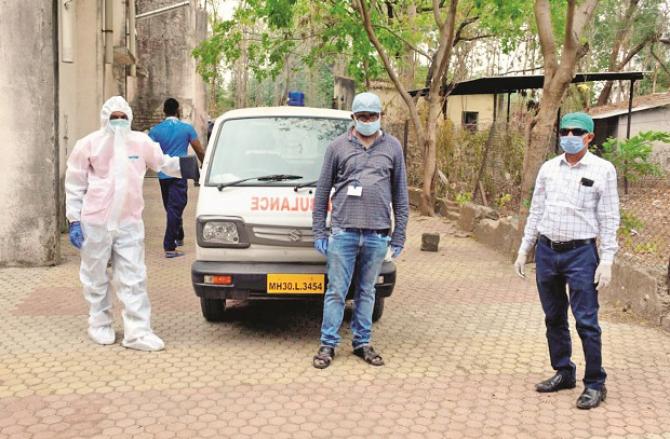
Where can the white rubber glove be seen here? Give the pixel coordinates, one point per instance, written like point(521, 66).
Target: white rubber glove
point(519, 264)
point(603, 275)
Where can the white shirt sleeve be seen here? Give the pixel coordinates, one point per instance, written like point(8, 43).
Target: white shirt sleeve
point(607, 214)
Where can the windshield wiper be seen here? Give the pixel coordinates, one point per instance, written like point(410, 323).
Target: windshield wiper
point(272, 177)
point(305, 184)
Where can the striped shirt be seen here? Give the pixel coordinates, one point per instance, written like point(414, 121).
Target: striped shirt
point(575, 202)
point(379, 170)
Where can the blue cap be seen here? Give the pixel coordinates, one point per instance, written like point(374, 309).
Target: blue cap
point(368, 102)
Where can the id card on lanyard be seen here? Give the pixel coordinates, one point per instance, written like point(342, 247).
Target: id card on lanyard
point(355, 190)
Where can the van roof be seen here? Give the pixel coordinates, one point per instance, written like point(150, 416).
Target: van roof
point(285, 111)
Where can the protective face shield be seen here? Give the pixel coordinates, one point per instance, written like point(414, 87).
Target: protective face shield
point(572, 144)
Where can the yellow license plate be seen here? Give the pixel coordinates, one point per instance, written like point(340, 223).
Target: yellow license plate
point(296, 284)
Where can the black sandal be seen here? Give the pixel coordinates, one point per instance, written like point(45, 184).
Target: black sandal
point(368, 354)
point(323, 357)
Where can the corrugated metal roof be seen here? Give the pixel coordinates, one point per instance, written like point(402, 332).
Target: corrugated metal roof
point(511, 84)
point(640, 103)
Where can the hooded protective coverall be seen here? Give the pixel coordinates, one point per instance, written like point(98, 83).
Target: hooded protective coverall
point(103, 186)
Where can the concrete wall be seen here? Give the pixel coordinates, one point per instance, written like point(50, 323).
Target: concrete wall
point(86, 77)
point(166, 67)
point(396, 109)
point(483, 104)
point(28, 189)
point(635, 288)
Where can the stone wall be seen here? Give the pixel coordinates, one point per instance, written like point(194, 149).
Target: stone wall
point(635, 288)
point(28, 115)
point(165, 67)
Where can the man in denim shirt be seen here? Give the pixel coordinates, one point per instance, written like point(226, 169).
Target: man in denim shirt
point(365, 170)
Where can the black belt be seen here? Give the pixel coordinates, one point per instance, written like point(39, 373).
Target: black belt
point(383, 232)
point(561, 246)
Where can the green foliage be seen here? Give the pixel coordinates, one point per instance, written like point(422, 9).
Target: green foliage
point(632, 157)
point(503, 200)
point(646, 248)
point(463, 198)
point(320, 32)
point(629, 224)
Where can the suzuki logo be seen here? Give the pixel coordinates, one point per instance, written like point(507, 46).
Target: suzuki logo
point(294, 235)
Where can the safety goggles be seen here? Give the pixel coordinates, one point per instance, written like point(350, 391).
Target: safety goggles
point(575, 131)
point(114, 117)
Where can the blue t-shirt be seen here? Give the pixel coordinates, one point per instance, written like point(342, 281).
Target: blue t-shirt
point(174, 137)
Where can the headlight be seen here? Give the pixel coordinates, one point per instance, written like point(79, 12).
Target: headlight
point(220, 232)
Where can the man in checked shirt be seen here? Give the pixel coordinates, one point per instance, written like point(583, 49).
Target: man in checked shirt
point(575, 201)
point(365, 170)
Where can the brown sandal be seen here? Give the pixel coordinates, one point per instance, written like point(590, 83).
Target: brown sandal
point(368, 354)
point(323, 357)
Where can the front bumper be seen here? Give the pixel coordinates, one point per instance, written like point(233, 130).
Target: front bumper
point(250, 279)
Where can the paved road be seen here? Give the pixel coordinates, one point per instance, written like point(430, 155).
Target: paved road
point(463, 340)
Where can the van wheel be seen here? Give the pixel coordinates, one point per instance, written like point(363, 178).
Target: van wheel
point(213, 309)
point(378, 309)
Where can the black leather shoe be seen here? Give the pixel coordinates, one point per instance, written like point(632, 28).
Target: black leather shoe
point(555, 383)
point(590, 398)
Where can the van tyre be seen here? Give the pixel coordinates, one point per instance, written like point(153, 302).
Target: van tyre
point(378, 309)
point(213, 309)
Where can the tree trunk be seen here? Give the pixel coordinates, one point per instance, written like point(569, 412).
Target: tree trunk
point(539, 144)
point(430, 155)
point(557, 78)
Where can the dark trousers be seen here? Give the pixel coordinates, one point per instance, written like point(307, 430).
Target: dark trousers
point(575, 268)
point(174, 195)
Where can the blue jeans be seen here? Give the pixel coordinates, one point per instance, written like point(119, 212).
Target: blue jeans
point(575, 267)
point(350, 250)
point(174, 192)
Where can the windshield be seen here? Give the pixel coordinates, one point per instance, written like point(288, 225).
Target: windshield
point(255, 147)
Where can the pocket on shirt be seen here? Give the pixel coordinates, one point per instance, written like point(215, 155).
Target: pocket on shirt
point(587, 197)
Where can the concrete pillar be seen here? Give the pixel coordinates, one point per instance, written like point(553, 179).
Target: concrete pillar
point(28, 151)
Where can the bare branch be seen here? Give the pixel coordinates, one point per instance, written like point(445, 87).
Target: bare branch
point(466, 22)
point(634, 51)
point(367, 23)
point(570, 40)
point(660, 62)
point(398, 36)
point(473, 38)
point(546, 35)
point(445, 45)
point(436, 12)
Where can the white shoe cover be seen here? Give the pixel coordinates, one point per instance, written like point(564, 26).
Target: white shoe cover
point(148, 342)
point(102, 334)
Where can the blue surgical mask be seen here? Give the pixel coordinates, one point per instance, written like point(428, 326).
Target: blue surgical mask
point(572, 144)
point(119, 123)
point(368, 128)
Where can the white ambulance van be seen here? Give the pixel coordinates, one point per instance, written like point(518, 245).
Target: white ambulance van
point(254, 214)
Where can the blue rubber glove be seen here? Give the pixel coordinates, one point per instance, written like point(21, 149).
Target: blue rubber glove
point(321, 245)
point(76, 235)
point(395, 251)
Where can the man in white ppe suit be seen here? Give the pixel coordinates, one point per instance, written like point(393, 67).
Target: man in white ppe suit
point(104, 203)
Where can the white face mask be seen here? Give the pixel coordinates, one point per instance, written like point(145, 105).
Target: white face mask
point(119, 124)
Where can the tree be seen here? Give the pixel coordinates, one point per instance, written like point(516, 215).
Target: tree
point(379, 39)
point(559, 70)
point(618, 38)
